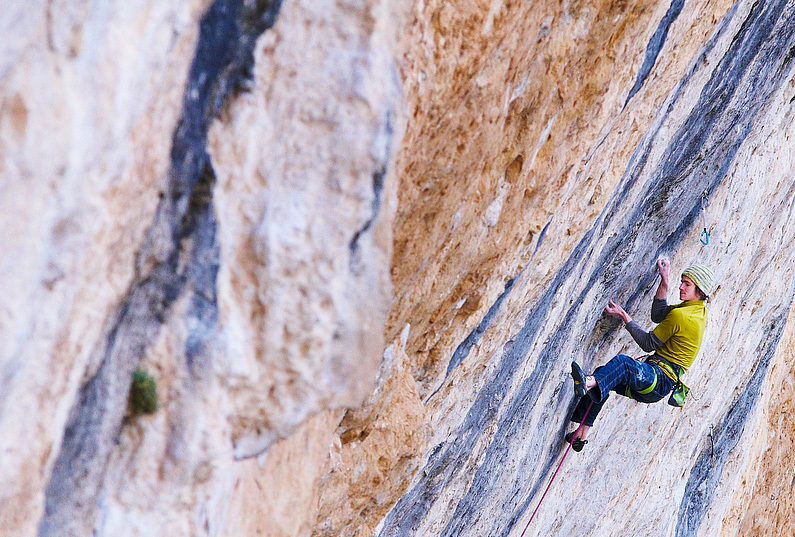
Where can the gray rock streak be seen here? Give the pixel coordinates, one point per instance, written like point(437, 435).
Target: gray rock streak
point(180, 255)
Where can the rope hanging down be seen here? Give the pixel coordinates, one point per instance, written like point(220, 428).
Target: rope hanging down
point(556, 470)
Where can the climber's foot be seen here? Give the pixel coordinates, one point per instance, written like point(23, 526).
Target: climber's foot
point(576, 443)
point(579, 380)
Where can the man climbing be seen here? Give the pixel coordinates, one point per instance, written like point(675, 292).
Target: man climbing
point(675, 343)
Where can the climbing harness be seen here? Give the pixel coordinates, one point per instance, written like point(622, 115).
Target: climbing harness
point(673, 372)
point(556, 470)
point(670, 370)
point(705, 233)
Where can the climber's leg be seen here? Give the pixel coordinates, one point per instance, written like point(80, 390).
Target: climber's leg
point(623, 371)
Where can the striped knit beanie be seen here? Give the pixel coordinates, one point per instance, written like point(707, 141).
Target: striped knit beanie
point(702, 276)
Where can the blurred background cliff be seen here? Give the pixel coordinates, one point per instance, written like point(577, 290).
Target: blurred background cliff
point(354, 245)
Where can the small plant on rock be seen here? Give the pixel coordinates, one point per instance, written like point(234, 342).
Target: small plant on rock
point(143, 394)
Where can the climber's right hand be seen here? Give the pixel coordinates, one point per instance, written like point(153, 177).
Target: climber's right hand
point(664, 268)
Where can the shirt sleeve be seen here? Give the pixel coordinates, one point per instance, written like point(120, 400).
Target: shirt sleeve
point(646, 340)
point(669, 326)
point(659, 310)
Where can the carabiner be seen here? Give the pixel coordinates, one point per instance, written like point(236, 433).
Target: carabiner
point(705, 237)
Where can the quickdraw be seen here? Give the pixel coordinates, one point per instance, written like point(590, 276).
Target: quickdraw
point(705, 233)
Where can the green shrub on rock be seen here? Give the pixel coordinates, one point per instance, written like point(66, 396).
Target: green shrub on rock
point(143, 394)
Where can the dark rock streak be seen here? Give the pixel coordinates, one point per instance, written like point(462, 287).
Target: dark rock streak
point(655, 46)
point(180, 257)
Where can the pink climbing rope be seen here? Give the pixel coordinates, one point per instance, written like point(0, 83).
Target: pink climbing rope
point(556, 470)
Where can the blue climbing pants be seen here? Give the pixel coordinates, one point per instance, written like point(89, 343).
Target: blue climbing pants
point(625, 376)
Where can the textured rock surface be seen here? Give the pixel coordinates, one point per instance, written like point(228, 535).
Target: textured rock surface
point(608, 178)
point(710, 131)
point(358, 242)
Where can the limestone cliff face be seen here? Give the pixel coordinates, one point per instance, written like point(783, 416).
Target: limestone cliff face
point(696, 119)
point(358, 243)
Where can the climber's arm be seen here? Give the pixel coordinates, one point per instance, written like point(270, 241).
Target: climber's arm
point(659, 309)
point(646, 340)
point(659, 306)
point(664, 268)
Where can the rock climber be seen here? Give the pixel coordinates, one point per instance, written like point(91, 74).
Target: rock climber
point(675, 343)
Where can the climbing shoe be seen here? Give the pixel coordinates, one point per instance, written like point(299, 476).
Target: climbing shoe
point(577, 444)
point(579, 380)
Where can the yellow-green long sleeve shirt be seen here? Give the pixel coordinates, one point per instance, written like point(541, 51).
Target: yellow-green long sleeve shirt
point(681, 333)
point(678, 337)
